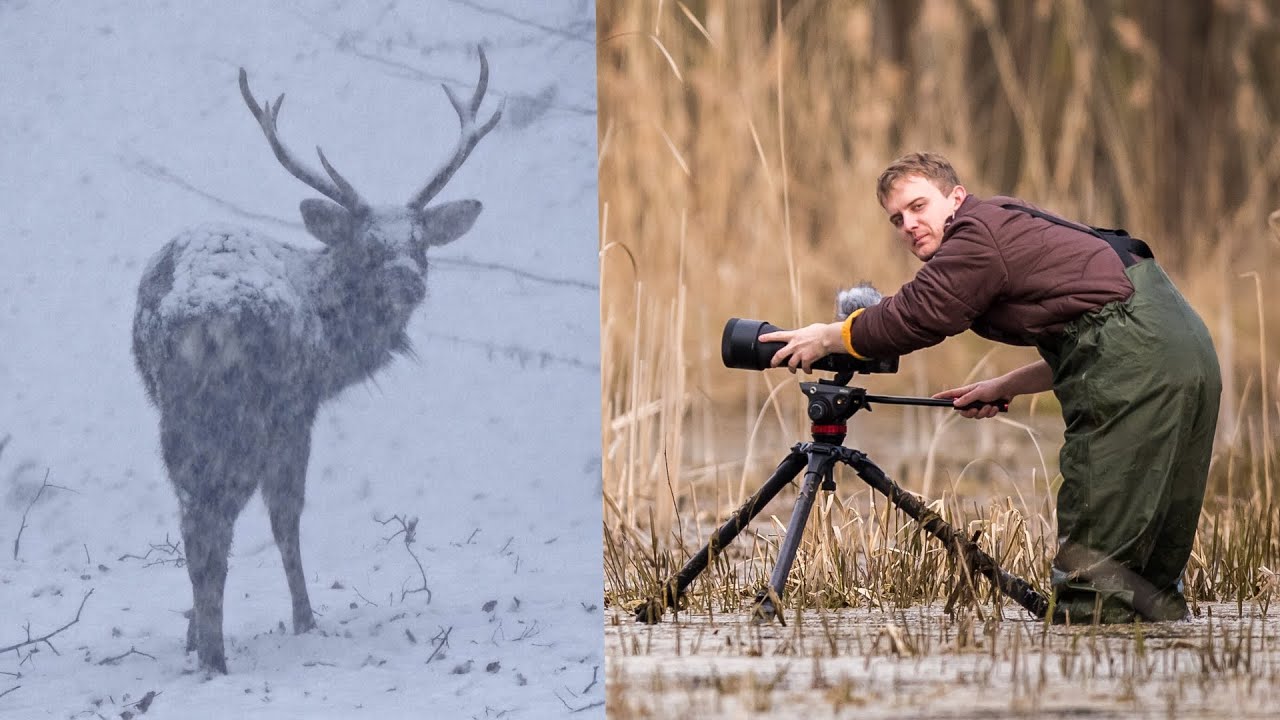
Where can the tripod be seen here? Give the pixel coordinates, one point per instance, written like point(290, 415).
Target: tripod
point(831, 404)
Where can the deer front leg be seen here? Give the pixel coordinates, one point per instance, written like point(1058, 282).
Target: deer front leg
point(285, 525)
point(283, 491)
point(208, 541)
point(190, 615)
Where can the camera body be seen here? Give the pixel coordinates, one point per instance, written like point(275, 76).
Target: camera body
point(740, 347)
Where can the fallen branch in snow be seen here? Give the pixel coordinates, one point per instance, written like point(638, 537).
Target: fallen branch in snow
point(6, 692)
point(528, 632)
point(409, 528)
point(466, 262)
point(142, 705)
point(595, 675)
point(168, 547)
point(362, 597)
point(46, 484)
point(525, 356)
point(156, 171)
point(443, 637)
point(579, 709)
point(117, 658)
point(45, 638)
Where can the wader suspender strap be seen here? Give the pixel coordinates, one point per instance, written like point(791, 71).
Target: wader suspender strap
point(1124, 244)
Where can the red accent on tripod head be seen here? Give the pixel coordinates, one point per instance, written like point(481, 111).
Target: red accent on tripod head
point(840, 429)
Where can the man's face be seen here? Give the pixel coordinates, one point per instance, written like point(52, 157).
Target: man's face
point(919, 210)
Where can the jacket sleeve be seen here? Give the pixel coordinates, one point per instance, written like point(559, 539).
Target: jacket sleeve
point(958, 284)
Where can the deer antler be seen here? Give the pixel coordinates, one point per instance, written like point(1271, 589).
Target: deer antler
point(339, 190)
point(471, 134)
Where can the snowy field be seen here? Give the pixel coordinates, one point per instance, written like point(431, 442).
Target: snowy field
point(122, 125)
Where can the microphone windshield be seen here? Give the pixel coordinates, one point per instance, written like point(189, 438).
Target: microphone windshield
point(860, 296)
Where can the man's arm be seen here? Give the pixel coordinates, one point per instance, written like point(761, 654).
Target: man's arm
point(1028, 379)
point(960, 283)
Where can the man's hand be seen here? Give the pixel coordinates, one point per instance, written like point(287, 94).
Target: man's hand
point(988, 391)
point(806, 345)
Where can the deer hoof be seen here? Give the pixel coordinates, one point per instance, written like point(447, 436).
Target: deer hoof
point(214, 662)
point(303, 623)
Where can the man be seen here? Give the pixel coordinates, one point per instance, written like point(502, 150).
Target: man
point(1131, 363)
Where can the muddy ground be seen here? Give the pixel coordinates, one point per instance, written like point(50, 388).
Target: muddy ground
point(919, 662)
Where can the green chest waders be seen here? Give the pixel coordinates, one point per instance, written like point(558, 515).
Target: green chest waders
point(1139, 385)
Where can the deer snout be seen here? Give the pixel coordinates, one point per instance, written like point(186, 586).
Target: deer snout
point(405, 283)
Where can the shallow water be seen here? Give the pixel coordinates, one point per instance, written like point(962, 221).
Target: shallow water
point(918, 662)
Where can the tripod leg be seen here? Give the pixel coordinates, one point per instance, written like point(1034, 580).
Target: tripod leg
point(673, 588)
point(819, 470)
point(1014, 587)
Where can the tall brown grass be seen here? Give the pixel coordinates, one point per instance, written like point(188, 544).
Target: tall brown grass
point(739, 147)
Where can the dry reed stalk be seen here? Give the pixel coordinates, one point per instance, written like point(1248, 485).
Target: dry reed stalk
point(1268, 446)
point(739, 186)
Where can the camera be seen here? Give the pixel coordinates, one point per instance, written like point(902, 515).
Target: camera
point(740, 347)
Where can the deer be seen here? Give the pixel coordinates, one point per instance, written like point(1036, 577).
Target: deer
point(240, 339)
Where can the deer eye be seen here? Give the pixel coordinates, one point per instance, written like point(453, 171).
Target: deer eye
point(419, 255)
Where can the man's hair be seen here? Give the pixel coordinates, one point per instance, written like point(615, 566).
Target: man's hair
point(930, 166)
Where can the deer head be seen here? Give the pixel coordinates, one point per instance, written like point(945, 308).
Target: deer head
point(383, 245)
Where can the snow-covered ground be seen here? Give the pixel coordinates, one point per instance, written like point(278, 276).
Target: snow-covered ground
point(121, 124)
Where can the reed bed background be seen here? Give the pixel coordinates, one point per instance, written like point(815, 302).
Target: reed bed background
point(739, 147)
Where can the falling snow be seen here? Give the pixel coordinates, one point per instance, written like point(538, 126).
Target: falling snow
point(123, 128)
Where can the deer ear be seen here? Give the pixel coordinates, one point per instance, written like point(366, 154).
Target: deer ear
point(329, 222)
point(446, 222)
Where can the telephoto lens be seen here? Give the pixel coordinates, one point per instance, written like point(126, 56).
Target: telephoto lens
point(740, 348)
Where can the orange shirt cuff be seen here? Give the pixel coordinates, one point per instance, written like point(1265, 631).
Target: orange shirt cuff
point(846, 333)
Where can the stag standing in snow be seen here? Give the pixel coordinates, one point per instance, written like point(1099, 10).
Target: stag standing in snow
point(240, 338)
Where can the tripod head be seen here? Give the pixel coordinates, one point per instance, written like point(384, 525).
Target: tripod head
point(832, 402)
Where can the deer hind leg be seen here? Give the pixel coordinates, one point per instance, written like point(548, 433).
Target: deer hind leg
point(206, 533)
point(283, 490)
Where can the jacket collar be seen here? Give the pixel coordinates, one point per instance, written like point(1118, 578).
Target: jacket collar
point(966, 206)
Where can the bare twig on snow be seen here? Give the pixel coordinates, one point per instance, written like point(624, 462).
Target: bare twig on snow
point(45, 638)
point(443, 638)
point(17, 541)
point(408, 528)
point(117, 658)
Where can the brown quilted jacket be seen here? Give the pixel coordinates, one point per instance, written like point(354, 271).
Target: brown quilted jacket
point(1006, 275)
